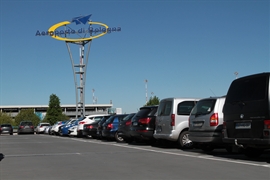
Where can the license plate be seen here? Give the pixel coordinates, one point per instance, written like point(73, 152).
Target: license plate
point(135, 124)
point(244, 125)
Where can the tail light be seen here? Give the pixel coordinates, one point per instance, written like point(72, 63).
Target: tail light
point(82, 122)
point(267, 124)
point(128, 123)
point(110, 126)
point(145, 120)
point(173, 120)
point(21, 127)
point(32, 127)
point(214, 119)
point(89, 126)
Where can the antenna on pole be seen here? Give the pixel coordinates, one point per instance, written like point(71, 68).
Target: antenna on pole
point(93, 90)
point(146, 91)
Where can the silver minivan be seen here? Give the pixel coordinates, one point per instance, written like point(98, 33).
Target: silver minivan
point(172, 120)
point(206, 123)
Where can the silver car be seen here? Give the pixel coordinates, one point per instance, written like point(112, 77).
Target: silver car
point(41, 127)
point(206, 123)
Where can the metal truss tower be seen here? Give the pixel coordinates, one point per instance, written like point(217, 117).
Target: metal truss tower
point(79, 73)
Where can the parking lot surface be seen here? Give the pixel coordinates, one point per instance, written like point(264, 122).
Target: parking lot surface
point(45, 157)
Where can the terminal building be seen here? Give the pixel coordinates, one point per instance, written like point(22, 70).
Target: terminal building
point(68, 110)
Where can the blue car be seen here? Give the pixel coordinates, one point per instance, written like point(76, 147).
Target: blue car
point(64, 129)
point(110, 127)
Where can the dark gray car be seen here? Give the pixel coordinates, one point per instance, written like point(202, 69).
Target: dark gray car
point(6, 129)
point(206, 122)
point(26, 127)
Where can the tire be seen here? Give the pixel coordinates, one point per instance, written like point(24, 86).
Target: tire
point(117, 138)
point(184, 142)
point(11, 133)
point(253, 152)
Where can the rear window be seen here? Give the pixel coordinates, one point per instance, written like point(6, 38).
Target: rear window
point(6, 125)
point(26, 124)
point(248, 89)
point(204, 107)
point(184, 108)
point(144, 112)
point(165, 108)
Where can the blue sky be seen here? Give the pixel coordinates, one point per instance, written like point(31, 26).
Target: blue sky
point(188, 48)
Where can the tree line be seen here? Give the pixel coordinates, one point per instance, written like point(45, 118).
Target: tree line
point(53, 114)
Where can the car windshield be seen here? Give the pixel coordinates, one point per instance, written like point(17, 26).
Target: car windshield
point(26, 124)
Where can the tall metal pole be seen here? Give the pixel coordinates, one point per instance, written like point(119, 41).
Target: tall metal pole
point(146, 91)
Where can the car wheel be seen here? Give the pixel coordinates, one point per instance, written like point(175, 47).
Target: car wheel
point(11, 133)
point(117, 138)
point(253, 152)
point(184, 142)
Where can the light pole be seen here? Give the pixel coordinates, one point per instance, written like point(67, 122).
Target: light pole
point(146, 90)
point(235, 73)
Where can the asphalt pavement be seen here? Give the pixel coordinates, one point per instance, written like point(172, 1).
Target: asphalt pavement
point(46, 157)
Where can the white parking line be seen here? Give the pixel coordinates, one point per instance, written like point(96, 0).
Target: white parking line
point(208, 157)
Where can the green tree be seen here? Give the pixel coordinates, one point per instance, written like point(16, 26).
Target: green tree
point(54, 112)
point(6, 119)
point(153, 101)
point(27, 115)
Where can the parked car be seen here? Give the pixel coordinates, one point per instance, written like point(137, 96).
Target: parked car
point(26, 127)
point(143, 124)
point(90, 130)
point(124, 128)
point(47, 129)
point(72, 131)
point(100, 126)
point(110, 127)
point(6, 129)
point(87, 120)
point(41, 127)
point(55, 128)
point(172, 120)
point(63, 130)
point(206, 123)
point(247, 114)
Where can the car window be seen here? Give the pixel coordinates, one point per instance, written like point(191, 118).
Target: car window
point(5, 125)
point(144, 112)
point(251, 89)
point(204, 107)
point(184, 108)
point(128, 116)
point(164, 108)
point(26, 124)
point(98, 118)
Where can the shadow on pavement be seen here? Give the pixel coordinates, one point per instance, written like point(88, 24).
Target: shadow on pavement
point(1, 156)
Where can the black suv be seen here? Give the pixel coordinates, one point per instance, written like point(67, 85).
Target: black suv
point(247, 114)
point(143, 124)
point(6, 129)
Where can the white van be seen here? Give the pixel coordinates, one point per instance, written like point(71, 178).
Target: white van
point(172, 120)
point(87, 120)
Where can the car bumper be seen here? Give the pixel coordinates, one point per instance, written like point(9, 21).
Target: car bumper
point(142, 134)
point(206, 137)
point(248, 142)
point(173, 136)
